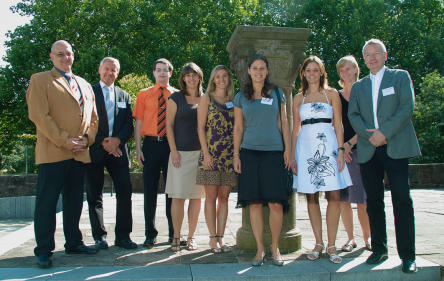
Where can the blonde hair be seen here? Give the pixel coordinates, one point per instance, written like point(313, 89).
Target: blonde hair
point(341, 62)
point(212, 86)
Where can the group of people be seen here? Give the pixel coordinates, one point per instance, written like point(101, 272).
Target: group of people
point(204, 144)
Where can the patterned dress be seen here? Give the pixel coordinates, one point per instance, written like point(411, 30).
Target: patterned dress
point(317, 151)
point(219, 136)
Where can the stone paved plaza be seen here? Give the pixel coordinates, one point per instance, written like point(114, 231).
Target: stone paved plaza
point(17, 238)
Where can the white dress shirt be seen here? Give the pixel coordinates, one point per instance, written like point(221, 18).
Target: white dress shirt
point(376, 83)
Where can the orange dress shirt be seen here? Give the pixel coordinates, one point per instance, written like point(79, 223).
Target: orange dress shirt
point(146, 108)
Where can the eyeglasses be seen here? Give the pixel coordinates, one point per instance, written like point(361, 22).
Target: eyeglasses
point(372, 55)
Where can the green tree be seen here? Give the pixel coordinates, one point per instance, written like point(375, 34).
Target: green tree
point(428, 115)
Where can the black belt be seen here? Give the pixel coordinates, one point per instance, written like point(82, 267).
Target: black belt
point(316, 120)
point(156, 138)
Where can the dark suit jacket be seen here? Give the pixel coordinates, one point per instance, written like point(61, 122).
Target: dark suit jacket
point(123, 121)
point(395, 109)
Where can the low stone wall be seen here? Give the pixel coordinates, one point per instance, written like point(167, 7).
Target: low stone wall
point(17, 192)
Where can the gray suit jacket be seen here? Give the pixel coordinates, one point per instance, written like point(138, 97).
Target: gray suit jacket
point(395, 110)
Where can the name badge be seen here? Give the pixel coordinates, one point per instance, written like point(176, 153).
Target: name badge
point(388, 91)
point(121, 104)
point(268, 101)
point(229, 104)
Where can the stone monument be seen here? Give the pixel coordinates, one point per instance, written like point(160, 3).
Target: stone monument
point(284, 48)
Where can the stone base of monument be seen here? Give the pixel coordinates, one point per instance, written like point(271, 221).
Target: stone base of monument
point(290, 240)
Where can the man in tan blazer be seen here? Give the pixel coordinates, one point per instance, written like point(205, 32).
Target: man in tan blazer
point(61, 105)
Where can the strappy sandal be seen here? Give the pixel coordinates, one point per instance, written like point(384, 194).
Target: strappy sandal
point(224, 248)
point(215, 250)
point(175, 245)
point(334, 258)
point(191, 244)
point(349, 246)
point(314, 255)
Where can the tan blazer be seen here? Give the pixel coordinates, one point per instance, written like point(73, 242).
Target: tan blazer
point(56, 114)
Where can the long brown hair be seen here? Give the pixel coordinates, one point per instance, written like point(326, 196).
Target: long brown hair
point(323, 82)
point(248, 89)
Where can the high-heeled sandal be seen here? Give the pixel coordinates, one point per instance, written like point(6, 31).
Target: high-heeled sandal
point(224, 248)
point(315, 254)
point(349, 246)
point(334, 258)
point(277, 261)
point(260, 262)
point(191, 244)
point(175, 245)
point(215, 250)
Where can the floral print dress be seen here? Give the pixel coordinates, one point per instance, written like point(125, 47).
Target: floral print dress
point(317, 151)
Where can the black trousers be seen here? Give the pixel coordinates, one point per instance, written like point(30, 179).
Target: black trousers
point(118, 169)
point(156, 154)
point(53, 178)
point(372, 176)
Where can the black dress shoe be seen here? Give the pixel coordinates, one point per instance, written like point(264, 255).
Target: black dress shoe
point(44, 261)
point(376, 258)
point(183, 241)
point(149, 242)
point(125, 243)
point(82, 249)
point(409, 266)
point(101, 244)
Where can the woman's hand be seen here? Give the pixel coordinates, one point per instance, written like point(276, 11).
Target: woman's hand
point(341, 161)
point(208, 161)
point(287, 159)
point(237, 164)
point(175, 158)
point(294, 166)
point(348, 152)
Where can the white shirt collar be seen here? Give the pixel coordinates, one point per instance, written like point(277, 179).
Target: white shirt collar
point(378, 74)
point(102, 85)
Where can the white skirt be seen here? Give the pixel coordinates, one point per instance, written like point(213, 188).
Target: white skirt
point(181, 182)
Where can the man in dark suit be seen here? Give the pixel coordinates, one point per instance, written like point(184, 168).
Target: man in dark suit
point(109, 150)
point(61, 105)
point(380, 110)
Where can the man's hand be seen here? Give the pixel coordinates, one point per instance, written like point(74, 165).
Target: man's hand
point(80, 143)
point(378, 138)
point(111, 144)
point(140, 158)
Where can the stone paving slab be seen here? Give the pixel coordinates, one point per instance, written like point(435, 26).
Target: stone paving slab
point(349, 270)
point(17, 237)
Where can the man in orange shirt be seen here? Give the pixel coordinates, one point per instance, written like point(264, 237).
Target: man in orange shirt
point(150, 115)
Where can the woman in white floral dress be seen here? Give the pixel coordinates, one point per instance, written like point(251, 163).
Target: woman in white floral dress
point(317, 145)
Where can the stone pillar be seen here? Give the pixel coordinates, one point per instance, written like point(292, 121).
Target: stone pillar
point(284, 48)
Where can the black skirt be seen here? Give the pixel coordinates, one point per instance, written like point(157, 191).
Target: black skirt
point(262, 178)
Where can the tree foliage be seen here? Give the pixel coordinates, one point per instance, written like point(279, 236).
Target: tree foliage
point(428, 116)
point(139, 31)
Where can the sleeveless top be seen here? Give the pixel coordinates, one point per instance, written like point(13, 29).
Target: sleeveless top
point(219, 136)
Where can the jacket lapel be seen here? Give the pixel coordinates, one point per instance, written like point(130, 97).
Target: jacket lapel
point(385, 83)
point(58, 77)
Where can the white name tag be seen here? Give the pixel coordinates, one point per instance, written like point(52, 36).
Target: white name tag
point(268, 101)
point(121, 104)
point(388, 91)
point(229, 104)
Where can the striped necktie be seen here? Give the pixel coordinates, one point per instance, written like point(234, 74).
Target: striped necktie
point(76, 91)
point(161, 115)
point(109, 104)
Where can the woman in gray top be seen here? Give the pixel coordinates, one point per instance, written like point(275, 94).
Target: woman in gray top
point(261, 152)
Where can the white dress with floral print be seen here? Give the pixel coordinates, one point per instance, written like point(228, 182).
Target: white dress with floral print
point(317, 151)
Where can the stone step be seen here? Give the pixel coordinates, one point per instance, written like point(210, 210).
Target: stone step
point(349, 269)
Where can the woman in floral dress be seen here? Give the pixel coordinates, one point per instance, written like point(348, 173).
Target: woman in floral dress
point(215, 118)
point(317, 145)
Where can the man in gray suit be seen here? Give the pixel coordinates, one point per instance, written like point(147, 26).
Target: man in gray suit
point(380, 110)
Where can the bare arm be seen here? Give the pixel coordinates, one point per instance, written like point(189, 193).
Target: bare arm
point(202, 114)
point(286, 136)
point(170, 116)
point(296, 129)
point(337, 125)
point(238, 133)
